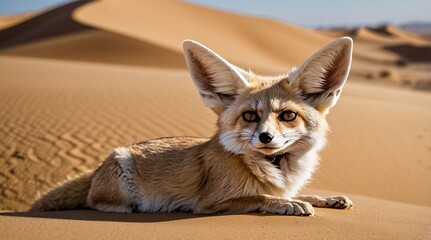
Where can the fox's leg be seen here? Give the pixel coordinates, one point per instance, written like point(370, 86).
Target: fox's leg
point(113, 188)
point(258, 203)
point(341, 202)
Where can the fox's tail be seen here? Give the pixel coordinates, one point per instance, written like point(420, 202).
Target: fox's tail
point(72, 194)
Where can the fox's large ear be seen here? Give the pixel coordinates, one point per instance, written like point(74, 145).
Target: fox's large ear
point(322, 77)
point(217, 80)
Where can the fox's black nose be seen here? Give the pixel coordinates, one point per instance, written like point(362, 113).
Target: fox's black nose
point(265, 137)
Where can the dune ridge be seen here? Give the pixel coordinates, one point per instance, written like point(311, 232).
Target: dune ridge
point(102, 47)
point(12, 20)
point(42, 26)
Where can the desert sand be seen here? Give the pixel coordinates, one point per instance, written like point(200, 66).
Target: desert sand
point(375, 219)
point(73, 89)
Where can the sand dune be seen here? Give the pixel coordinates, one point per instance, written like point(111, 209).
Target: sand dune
point(388, 54)
point(102, 47)
point(42, 26)
point(67, 39)
point(217, 29)
point(393, 31)
point(74, 88)
point(381, 34)
point(191, 22)
point(370, 35)
point(380, 44)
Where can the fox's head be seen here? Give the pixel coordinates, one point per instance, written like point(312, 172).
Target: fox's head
point(271, 115)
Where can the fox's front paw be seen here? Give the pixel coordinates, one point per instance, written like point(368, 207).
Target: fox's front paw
point(340, 202)
point(294, 208)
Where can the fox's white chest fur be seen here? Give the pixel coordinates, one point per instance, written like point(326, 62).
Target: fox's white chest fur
point(270, 130)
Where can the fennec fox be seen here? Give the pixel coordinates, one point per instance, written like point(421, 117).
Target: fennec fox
point(270, 130)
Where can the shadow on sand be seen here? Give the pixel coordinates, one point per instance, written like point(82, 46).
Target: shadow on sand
point(92, 215)
point(415, 54)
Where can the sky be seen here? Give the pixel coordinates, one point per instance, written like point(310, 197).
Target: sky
point(10, 7)
point(308, 13)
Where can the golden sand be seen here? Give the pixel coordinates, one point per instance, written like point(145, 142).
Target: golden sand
point(68, 99)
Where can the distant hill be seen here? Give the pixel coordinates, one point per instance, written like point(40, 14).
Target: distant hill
point(422, 28)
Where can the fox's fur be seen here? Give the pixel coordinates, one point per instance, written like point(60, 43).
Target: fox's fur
point(270, 130)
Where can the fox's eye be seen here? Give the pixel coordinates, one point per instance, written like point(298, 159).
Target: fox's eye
point(250, 116)
point(287, 116)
